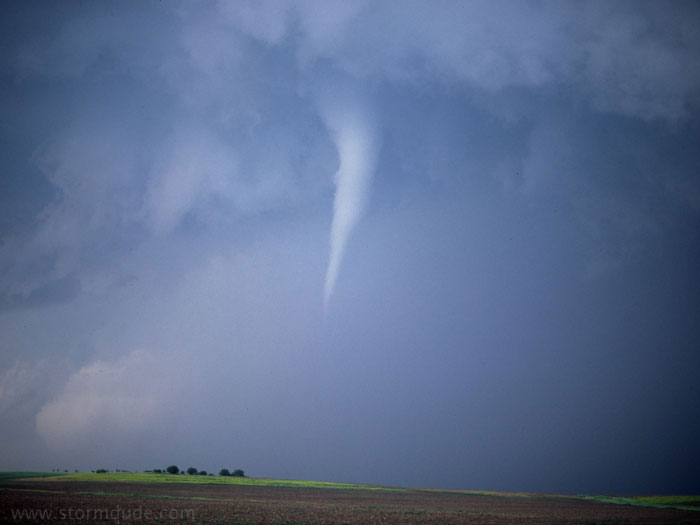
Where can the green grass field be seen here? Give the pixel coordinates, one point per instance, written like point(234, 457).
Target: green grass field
point(662, 502)
point(5, 476)
point(147, 477)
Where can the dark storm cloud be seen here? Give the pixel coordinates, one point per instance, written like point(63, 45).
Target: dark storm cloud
point(514, 232)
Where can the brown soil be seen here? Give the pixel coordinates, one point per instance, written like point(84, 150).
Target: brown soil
point(69, 502)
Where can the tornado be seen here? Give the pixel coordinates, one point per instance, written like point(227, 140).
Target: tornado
point(356, 144)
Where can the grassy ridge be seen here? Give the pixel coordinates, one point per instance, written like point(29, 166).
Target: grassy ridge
point(661, 502)
point(6, 476)
point(147, 477)
point(671, 500)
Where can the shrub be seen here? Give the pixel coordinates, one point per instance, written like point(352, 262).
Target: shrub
point(238, 473)
point(224, 472)
point(191, 471)
point(172, 469)
point(202, 472)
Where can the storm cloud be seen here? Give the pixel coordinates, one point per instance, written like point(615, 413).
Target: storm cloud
point(447, 244)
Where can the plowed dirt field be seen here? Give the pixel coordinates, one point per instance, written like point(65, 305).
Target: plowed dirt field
point(54, 501)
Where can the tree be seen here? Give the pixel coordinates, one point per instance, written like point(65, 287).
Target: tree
point(224, 472)
point(172, 469)
point(191, 471)
point(202, 472)
point(238, 473)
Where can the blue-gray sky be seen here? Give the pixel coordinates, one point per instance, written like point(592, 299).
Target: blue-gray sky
point(447, 244)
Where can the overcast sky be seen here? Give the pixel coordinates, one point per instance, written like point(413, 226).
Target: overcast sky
point(443, 244)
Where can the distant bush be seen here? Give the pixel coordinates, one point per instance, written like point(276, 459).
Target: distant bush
point(172, 469)
point(157, 471)
point(191, 471)
point(224, 472)
point(202, 472)
point(101, 471)
point(238, 473)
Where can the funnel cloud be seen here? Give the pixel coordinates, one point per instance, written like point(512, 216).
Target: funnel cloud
point(356, 144)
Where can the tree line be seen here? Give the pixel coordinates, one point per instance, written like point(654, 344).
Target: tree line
point(192, 471)
point(174, 469)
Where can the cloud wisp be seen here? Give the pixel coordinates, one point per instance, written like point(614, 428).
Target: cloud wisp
point(356, 141)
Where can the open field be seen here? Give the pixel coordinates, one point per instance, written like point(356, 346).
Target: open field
point(154, 498)
point(142, 477)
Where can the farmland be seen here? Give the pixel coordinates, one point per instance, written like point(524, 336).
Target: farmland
point(160, 498)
